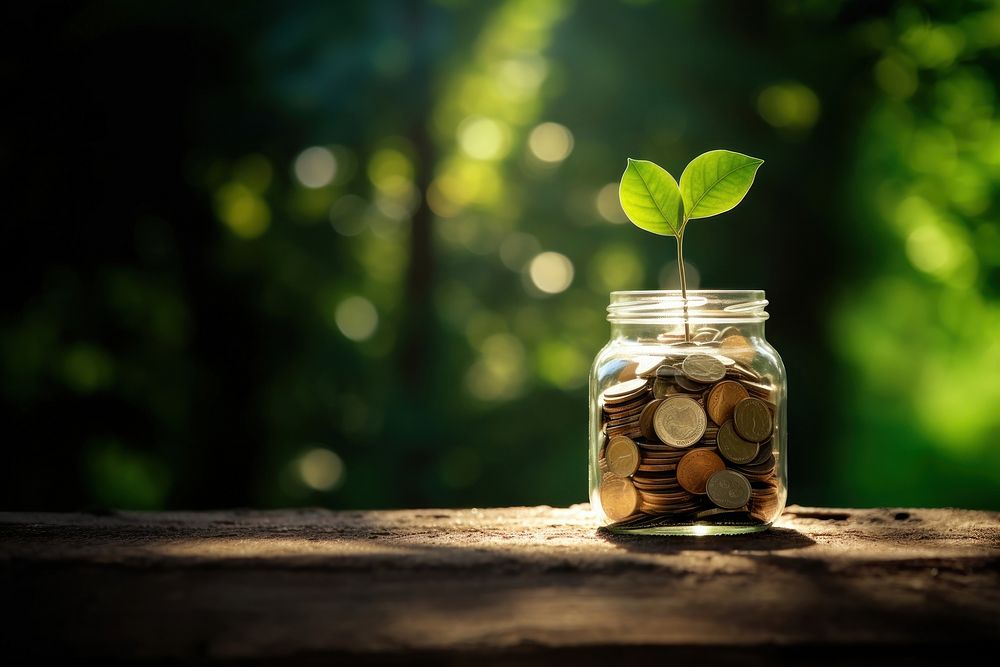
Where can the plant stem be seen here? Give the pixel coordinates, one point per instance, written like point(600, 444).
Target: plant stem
point(683, 276)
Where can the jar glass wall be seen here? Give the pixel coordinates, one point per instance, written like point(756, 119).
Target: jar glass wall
point(688, 415)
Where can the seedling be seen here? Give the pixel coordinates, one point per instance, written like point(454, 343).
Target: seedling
point(712, 183)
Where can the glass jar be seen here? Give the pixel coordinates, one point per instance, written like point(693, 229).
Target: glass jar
point(687, 415)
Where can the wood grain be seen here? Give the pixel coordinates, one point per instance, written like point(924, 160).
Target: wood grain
point(536, 585)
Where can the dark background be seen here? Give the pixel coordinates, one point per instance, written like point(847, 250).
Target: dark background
point(198, 314)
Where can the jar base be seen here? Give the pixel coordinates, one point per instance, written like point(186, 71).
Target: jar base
point(690, 530)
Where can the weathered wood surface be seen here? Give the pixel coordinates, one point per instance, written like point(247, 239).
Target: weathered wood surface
point(537, 585)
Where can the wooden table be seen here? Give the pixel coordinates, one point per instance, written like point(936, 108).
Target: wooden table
point(535, 585)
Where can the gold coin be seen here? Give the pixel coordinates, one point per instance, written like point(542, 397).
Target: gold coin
point(696, 467)
point(722, 399)
point(679, 421)
point(728, 489)
point(753, 420)
point(735, 448)
point(703, 368)
point(738, 347)
point(622, 456)
point(619, 499)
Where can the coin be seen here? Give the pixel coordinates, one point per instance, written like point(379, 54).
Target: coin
point(738, 347)
point(616, 419)
point(643, 484)
point(687, 384)
point(724, 360)
point(703, 368)
point(763, 455)
point(717, 511)
point(758, 478)
point(666, 371)
point(633, 407)
point(619, 499)
point(728, 489)
point(646, 366)
point(696, 467)
point(742, 373)
point(646, 419)
point(735, 448)
point(622, 456)
point(657, 480)
point(656, 446)
point(753, 419)
point(611, 369)
point(631, 431)
point(664, 497)
point(673, 510)
point(722, 398)
point(623, 391)
point(679, 421)
point(657, 467)
point(726, 333)
point(763, 387)
point(653, 456)
point(663, 388)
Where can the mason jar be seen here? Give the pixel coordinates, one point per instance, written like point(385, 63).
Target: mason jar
point(688, 415)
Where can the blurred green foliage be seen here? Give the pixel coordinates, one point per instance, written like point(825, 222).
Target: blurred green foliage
point(359, 255)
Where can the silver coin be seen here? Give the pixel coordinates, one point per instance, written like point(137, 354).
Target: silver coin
point(703, 368)
point(728, 489)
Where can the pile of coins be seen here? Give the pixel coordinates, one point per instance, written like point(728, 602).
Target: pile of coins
point(688, 437)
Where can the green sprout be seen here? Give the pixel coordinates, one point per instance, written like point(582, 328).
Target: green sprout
point(712, 183)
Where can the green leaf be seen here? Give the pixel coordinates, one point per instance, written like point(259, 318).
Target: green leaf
point(716, 181)
point(651, 199)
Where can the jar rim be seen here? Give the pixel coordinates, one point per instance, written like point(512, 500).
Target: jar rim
point(726, 306)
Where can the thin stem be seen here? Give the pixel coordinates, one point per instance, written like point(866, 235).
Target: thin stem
point(683, 276)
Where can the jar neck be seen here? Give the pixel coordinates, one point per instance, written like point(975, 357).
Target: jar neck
point(666, 314)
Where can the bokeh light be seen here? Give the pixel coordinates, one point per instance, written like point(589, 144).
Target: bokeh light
point(315, 167)
point(551, 142)
point(320, 469)
point(551, 272)
point(356, 318)
point(790, 106)
point(244, 211)
point(483, 138)
point(608, 205)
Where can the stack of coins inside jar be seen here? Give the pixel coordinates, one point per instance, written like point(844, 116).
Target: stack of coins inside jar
point(689, 436)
